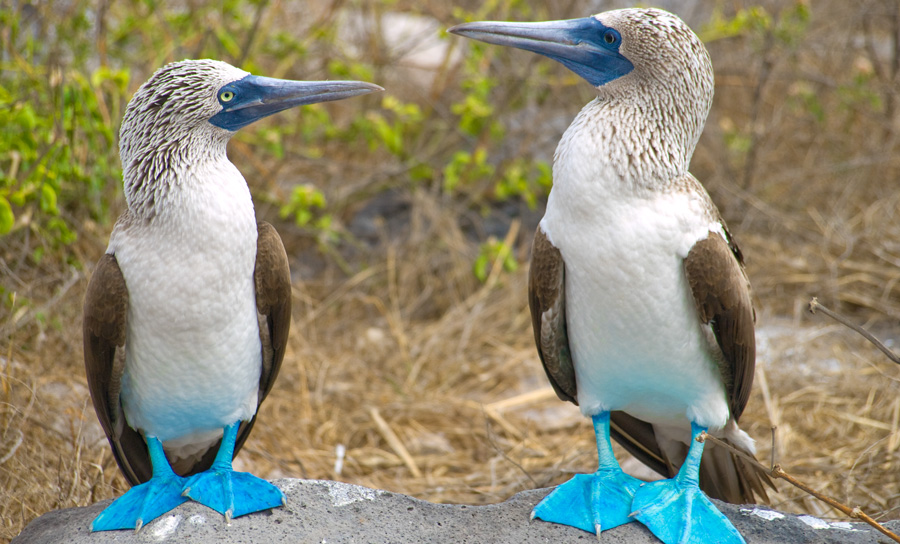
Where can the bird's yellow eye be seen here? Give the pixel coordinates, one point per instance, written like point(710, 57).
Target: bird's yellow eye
point(226, 96)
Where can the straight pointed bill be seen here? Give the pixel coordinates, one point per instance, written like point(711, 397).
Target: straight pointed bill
point(255, 97)
point(586, 46)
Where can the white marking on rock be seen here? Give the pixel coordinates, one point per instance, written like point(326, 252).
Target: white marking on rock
point(197, 520)
point(763, 513)
point(287, 485)
point(343, 494)
point(814, 522)
point(164, 527)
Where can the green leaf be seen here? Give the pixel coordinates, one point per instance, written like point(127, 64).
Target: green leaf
point(489, 253)
point(48, 200)
point(7, 218)
point(480, 267)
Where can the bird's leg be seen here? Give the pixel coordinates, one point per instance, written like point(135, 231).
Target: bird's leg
point(593, 502)
point(145, 502)
point(676, 511)
point(231, 493)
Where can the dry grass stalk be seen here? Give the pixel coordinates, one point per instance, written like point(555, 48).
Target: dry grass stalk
point(395, 443)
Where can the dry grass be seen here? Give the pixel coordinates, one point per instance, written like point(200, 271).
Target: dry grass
point(431, 384)
point(430, 380)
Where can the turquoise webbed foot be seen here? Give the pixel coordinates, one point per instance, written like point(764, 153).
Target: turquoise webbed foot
point(676, 511)
point(232, 494)
point(145, 502)
point(593, 502)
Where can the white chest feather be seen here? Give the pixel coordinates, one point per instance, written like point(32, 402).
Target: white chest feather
point(193, 354)
point(635, 337)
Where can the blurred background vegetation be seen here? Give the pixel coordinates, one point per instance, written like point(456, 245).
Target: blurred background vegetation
point(408, 217)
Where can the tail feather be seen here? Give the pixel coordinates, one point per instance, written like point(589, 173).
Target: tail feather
point(731, 478)
point(723, 475)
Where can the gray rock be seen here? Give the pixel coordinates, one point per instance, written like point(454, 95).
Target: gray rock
point(333, 512)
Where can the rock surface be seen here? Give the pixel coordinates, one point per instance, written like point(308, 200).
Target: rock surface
point(332, 512)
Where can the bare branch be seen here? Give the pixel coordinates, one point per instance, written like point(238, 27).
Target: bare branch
point(815, 305)
point(778, 472)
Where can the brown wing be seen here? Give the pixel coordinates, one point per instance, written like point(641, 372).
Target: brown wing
point(714, 270)
point(547, 300)
point(722, 294)
point(105, 314)
point(273, 303)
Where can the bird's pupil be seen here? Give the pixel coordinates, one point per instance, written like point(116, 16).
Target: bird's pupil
point(227, 95)
point(609, 37)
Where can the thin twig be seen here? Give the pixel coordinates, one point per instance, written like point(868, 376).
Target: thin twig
point(490, 436)
point(778, 472)
point(774, 449)
point(257, 18)
point(815, 305)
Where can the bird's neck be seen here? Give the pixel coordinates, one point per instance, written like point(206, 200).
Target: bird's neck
point(161, 174)
point(617, 145)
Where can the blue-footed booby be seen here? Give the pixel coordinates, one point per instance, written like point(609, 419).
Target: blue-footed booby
point(640, 306)
point(187, 314)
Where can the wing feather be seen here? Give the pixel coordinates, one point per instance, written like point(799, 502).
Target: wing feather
point(104, 328)
point(547, 300)
point(722, 294)
point(273, 304)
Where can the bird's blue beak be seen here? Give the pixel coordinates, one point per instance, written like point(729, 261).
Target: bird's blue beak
point(585, 46)
point(254, 97)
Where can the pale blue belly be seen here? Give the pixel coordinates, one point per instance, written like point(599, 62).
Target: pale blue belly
point(636, 341)
point(193, 353)
point(639, 348)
